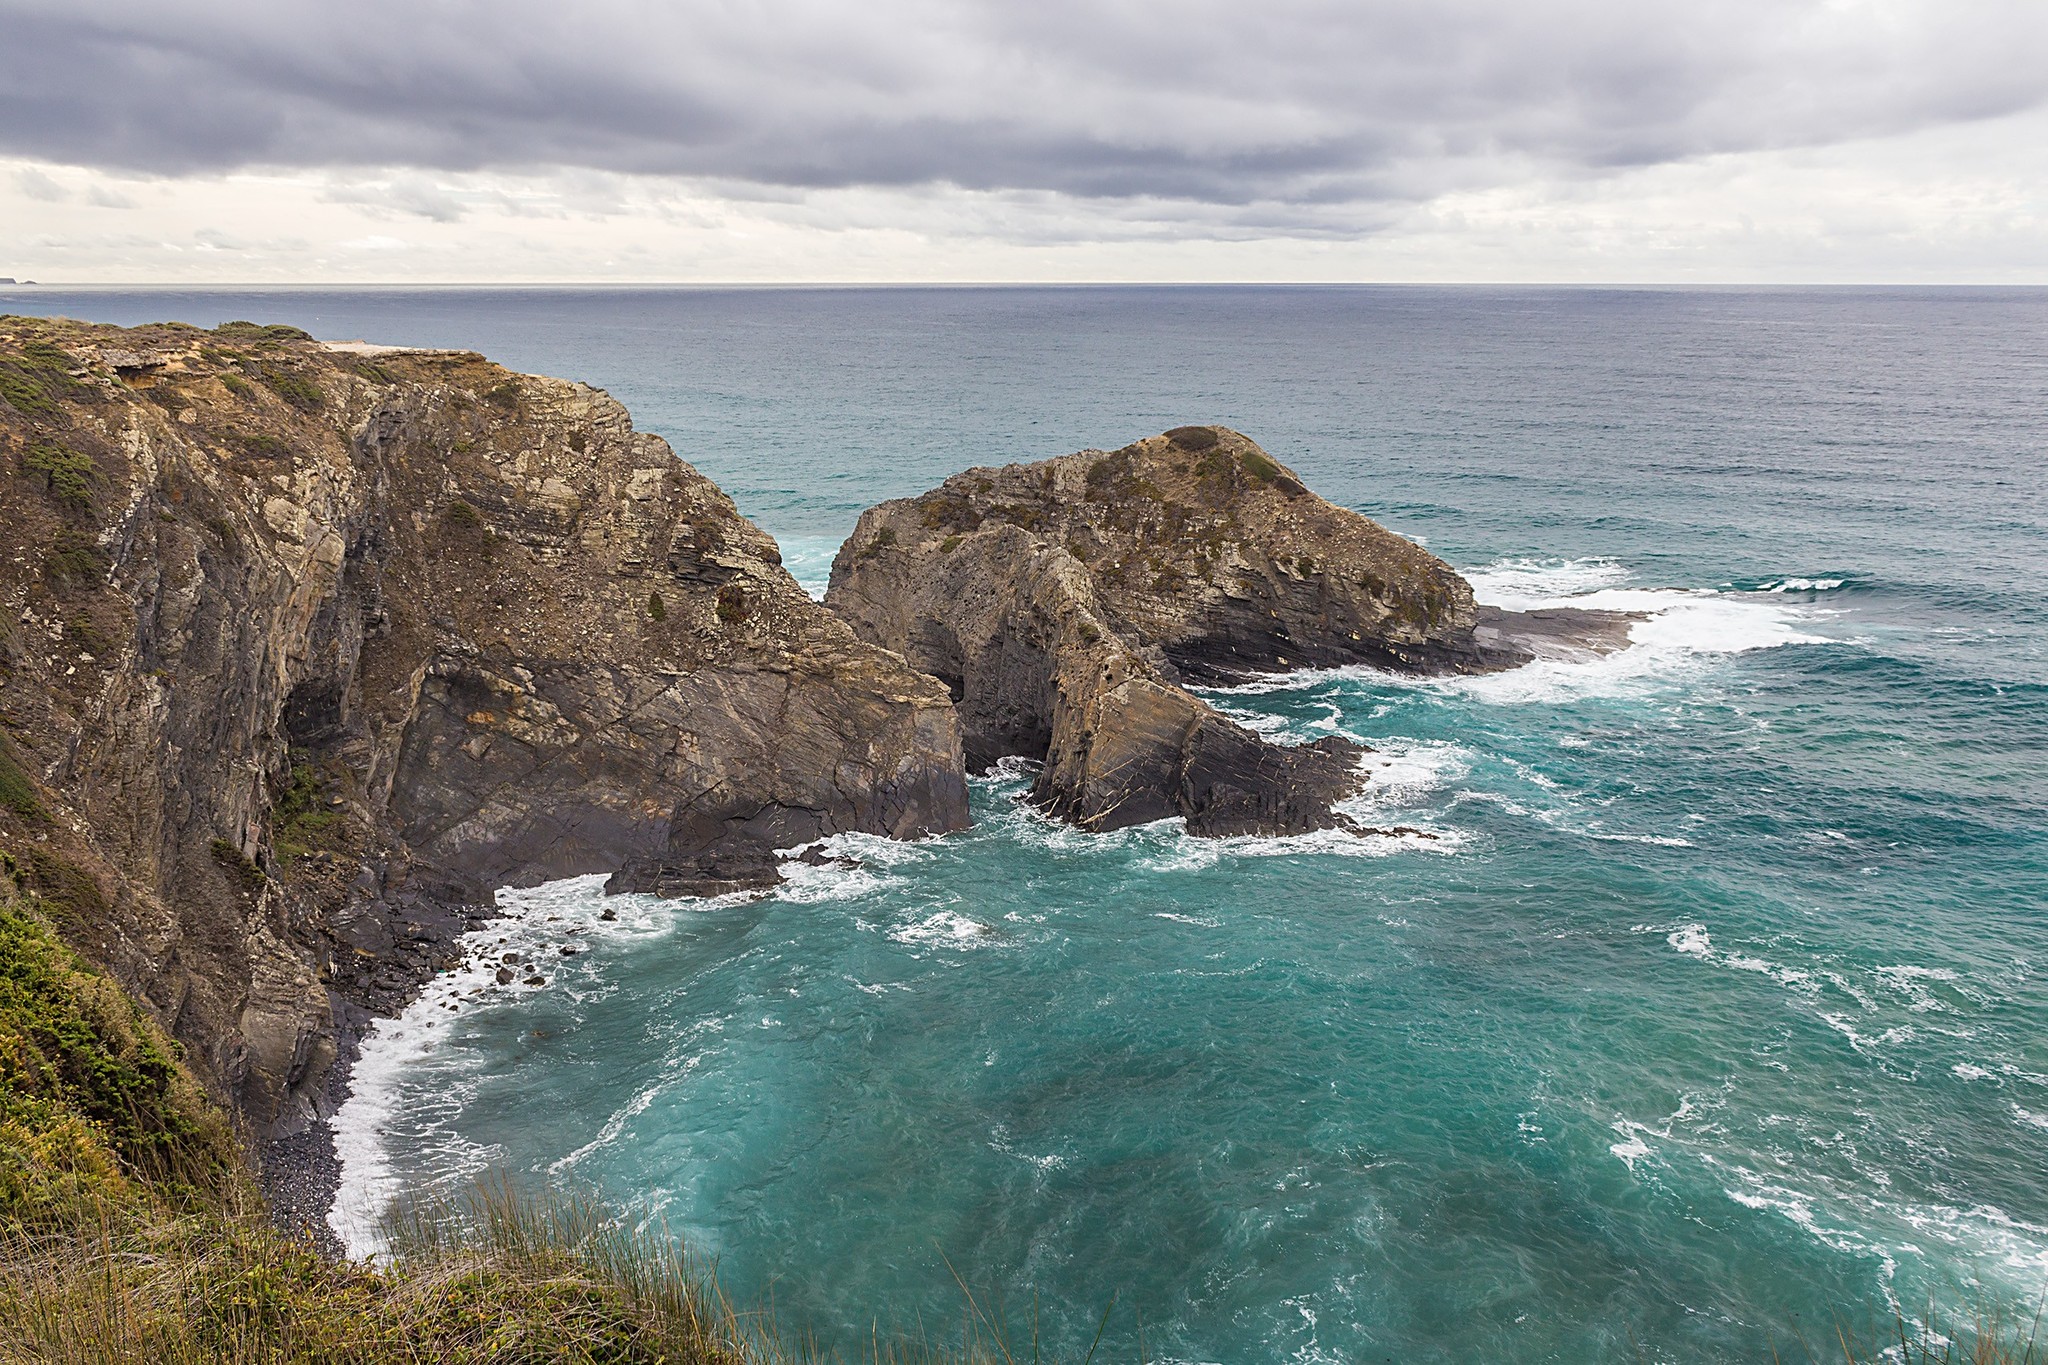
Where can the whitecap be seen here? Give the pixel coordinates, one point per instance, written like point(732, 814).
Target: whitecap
point(534, 924)
point(1401, 772)
point(1656, 840)
point(809, 561)
point(1523, 584)
point(1190, 853)
point(946, 928)
point(1864, 1042)
point(1692, 940)
point(1681, 629)
point(1634, 1145)
point(865, 869)
point(999, 1141)
point(615, 1126)
point(1005, 771)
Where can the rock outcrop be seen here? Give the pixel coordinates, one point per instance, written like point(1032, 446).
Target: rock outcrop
point(304, 650)
point(1067, 604)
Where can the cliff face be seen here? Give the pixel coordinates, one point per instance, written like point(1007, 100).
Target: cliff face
point(304, 651)
point(1065, 603)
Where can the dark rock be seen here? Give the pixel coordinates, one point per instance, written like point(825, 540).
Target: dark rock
point(368, 593)
point(818, 857)
point(1066, 604)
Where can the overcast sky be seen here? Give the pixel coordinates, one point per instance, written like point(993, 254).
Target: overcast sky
point(1777, 140)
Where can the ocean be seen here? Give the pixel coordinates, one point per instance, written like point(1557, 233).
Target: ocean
point(1711, 1014)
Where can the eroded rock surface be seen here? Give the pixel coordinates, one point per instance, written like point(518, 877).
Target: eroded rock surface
point(1068, 604)
point(304, 651)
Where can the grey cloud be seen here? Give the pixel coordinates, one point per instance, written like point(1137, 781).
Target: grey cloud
point(1290, 102)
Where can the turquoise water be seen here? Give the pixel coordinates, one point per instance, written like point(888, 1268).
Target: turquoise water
point(1713, 1012)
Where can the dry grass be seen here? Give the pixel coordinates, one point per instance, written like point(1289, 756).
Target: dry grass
point(1990, 1338)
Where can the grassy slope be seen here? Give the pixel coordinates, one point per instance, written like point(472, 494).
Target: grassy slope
point(129, 1229)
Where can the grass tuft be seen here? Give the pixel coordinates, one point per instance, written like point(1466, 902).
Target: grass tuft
point(33, 381)
point(295, 389)
point(74, 560)
point(17, 791)
point(237, 865)
point(67, 475)
point(259, 331)
point(301, 818)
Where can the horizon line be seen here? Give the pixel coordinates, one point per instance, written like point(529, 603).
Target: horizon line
point(1026, 284)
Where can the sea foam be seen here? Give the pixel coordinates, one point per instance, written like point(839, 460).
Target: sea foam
point(533, 926)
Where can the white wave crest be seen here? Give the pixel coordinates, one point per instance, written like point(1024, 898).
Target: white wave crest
point(1192, 853)
point(1681, 628)
point(867, 867)
point(946, 928)
point(536, 924)
point(1523, 584)
point(809, 561)
point(1401, 773)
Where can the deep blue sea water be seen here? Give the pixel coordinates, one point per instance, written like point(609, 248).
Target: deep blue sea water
point(1716, 1012)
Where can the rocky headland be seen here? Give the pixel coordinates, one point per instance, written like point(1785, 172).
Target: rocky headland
point(1068, 605)
point(305, 650)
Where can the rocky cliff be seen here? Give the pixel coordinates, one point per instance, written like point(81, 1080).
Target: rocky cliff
point(304, 650)
point(1066, 604)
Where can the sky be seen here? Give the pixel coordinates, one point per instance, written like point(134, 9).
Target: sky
point(1741, 141)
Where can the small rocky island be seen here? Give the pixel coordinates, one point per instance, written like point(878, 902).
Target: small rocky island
point(1067, 605)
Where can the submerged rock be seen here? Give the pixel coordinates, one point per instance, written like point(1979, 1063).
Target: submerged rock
point(1067, 605)
point(305, 651)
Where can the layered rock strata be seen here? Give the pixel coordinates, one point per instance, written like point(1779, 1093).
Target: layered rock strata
point(305, 650)
point(1067, 605)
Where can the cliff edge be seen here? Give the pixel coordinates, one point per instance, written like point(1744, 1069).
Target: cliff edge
point(305, 650)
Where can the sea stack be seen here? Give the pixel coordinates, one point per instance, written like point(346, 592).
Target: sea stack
point(1067, 605)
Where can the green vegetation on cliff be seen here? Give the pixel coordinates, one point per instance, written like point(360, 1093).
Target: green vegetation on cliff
point(129, 1229)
